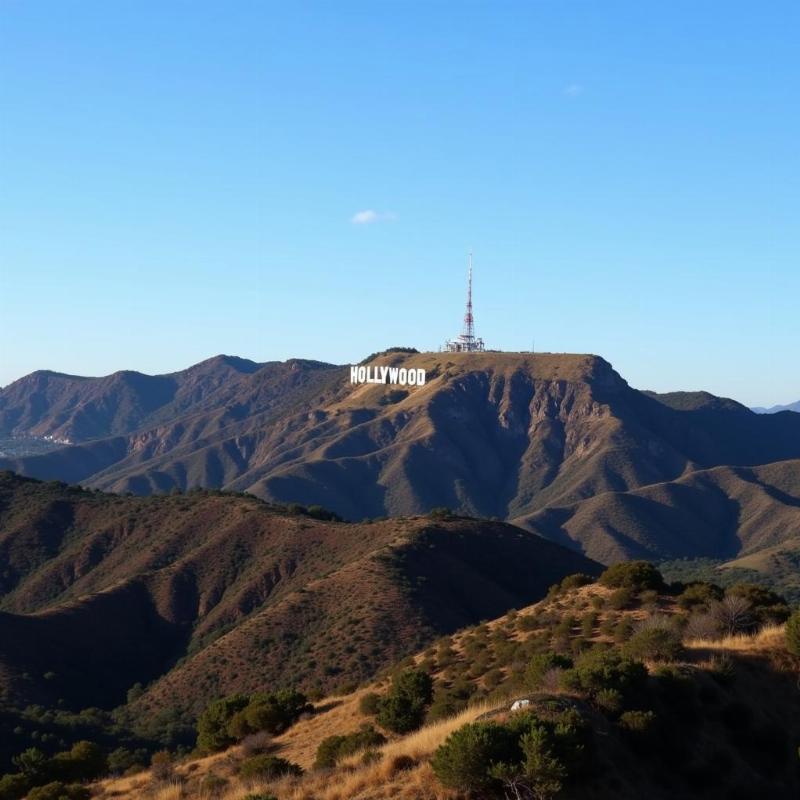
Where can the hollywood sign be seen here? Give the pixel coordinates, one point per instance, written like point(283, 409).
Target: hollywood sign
point(400, 376)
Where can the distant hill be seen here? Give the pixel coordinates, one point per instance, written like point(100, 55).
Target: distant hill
point(723, 513)
point(491, 434)
point(778, 409)
point(207, 594)
point(79, 409)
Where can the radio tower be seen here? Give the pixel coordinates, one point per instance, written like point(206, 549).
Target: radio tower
point(466, 342)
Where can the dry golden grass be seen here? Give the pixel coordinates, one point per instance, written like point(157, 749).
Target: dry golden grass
point(403, 770)
point(172, 791)
point(299, 744)
point(131, 786)
point(770, 637)
point(143, 785)
point(381, 781)
point(423, 742)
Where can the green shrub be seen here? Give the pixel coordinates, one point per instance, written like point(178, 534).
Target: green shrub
point(575, 581)
point(449, 701)
point(622, 598)
point(403, 709)
point(565, 625)
point(493, 678)
point(699, 594)
point(541, 664)
point(654, 644)
point(33, 764)
point(12, 787)
point(465, 760)
point(213, 723)
point(623, 630)
point(637, 721)
point(634, 575)
point(83, 762)
point(272, 712)
point(370, 704)
point(124, 760)
point(552, 747)
point(267, 768)
point(543, 771)
point(609, 700)
point(793, 634)
point(529, 756)
point(319, 512)
point(768, 607)
point(59, 791)
point(601, 668)
point(334, 748)
point(399, 715)
point(440, 512)
point(588, 623)
point(414, 684)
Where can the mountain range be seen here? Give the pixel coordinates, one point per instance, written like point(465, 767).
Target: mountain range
point(237, 526)
point(777, 409)
point(557, 443)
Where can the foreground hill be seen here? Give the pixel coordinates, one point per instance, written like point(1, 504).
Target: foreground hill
point(492, 434)
point(625, 701)
point(209, 594)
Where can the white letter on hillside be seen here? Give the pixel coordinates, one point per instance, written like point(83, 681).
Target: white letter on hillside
point(353, 374)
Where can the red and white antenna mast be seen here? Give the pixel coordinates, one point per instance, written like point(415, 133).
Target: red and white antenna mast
point(469, 322)
point(467, 342)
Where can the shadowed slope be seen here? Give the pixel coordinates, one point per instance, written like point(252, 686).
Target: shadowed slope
point(101, 592)
point(722, 513)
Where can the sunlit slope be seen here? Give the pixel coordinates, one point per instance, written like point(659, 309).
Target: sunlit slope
point(489, 434)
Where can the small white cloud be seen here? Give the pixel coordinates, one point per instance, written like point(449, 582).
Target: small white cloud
point(368, 216)
point(573, 90)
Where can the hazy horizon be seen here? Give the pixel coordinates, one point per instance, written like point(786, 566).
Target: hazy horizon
point(181, 180)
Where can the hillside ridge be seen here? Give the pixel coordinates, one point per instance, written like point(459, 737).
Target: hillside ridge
point(489, 434)
point(160, 589)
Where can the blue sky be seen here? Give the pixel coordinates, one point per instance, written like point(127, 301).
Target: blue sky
point(180, 179)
